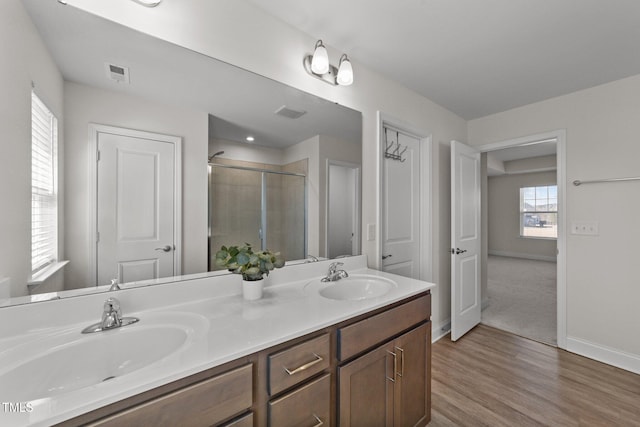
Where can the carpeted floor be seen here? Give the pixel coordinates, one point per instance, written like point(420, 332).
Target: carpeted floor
point(522, 298)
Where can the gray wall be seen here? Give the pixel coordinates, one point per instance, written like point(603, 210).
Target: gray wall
point(503, 204)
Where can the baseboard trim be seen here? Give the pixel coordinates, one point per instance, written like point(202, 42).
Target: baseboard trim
point(523, 256)
point(627, 361)
point(440, 330)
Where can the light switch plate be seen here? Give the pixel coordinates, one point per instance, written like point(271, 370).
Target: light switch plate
point(371, 232)
point(585, 228)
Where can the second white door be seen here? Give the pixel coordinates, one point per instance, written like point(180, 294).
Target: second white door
point(401, 206)
point(465, 239)
point(136, 205)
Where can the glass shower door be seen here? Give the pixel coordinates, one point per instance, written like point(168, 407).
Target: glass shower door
point(235, 209)
point(285, 230)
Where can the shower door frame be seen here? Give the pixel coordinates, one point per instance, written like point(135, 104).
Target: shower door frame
point(263, 205)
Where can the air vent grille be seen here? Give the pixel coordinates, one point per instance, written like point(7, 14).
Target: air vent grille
point(117, 73)
point(289, 113)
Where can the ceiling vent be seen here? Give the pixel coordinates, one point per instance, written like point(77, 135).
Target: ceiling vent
point(289, 113)
point(117, 73)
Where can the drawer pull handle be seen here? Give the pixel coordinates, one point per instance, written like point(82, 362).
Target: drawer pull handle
point(401, 351)
point(305, 366)
point(395, 367)
point(319, 421)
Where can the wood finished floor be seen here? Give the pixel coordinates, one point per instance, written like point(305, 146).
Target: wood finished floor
point(494, 378)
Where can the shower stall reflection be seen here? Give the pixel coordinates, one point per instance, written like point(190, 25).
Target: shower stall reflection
point(264, 208)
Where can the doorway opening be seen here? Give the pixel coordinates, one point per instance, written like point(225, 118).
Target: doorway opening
point(523, 288)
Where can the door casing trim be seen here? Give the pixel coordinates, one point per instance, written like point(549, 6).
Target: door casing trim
point(560, 135)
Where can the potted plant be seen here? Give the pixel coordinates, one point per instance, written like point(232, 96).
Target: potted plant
point(253, 266)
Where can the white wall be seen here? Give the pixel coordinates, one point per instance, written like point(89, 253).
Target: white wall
point(84, 105)
point(503, 205)
point(246, 152)
point(24, 60)
point(310, 149)
point(341, 196)
point(240, 34)
point(602, 142)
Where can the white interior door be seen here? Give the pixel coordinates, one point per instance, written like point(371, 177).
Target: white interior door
point(401, 206)
point(465, 239)
point(135, 207)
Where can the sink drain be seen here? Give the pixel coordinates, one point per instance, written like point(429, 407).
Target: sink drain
point(108, 378)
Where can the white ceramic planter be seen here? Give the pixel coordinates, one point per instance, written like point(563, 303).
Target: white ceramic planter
point(252, 289)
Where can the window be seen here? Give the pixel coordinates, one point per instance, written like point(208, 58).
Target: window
point(539, 212)
point(44, 197)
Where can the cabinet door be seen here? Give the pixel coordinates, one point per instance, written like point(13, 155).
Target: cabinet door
point(366, 390)
point(412, 378)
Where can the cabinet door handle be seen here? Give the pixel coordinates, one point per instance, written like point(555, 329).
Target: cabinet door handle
point(319, 422)
point(305, 366)
point(401, 351)
point(395, 366)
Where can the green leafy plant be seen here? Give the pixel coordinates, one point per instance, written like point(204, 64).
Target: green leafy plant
point(243, 260)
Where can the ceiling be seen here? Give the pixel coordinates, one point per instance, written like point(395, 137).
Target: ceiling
point(474, 57)
point(243, 103)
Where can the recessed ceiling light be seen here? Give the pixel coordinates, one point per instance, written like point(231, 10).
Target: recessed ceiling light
point(250, 139)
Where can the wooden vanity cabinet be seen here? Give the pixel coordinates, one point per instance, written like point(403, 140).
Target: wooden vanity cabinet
point(371, 370)
point(389, 385)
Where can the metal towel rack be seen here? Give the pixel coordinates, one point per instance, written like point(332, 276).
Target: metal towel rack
point(577, 182)
point(393, 153)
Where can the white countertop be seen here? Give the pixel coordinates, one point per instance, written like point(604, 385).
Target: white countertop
point(225, 328)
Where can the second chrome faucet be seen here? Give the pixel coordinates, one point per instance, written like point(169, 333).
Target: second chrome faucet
point(335, 273)
point(111, 318)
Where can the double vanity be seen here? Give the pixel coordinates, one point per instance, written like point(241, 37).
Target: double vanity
point(355, 351)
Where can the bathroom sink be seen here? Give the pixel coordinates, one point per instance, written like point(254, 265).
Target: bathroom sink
point(73, 361)
point(356, 287)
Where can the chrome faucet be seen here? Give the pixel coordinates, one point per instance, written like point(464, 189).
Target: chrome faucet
point(114, 285)
point(111, 315)
point(311, 258)
point(334, 274)
point(111, 318)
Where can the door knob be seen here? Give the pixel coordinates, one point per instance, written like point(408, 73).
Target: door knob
point(164, 249)
point(386, 256)
point(458, 251)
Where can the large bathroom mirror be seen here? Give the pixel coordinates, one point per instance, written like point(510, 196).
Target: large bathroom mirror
point(114, 80)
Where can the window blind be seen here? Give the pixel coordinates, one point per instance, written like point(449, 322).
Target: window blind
point(44, 198)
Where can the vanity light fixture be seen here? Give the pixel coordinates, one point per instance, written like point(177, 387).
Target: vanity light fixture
point(320, 59)
point(345, 71)
point(148, 3)
point(319, 67)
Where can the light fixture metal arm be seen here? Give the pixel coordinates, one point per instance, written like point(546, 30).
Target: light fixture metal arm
point(328, 77)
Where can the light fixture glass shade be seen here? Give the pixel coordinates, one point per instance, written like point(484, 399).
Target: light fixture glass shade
point(320, 60)
point(345, 72)
point(148, 3)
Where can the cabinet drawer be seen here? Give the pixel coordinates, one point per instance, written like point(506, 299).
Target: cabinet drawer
point(295, 364)
point(365, 334)
point(202, 404)
point(244, 421)
point(309, 405)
